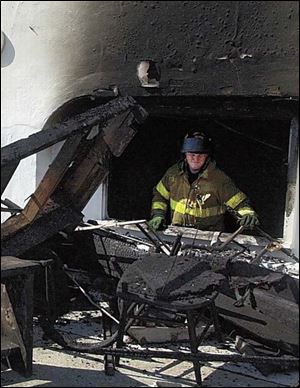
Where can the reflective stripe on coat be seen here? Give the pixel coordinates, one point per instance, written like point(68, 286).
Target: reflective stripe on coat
point(201, 203)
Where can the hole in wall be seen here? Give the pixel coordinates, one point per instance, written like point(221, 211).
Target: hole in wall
point(253, 151)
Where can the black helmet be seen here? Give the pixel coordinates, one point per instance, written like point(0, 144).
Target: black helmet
point(197, 142)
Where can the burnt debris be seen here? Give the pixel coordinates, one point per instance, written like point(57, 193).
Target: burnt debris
point(91, 139)
point(75, 173)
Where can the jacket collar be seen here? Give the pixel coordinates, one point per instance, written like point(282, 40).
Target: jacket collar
point(182, 167)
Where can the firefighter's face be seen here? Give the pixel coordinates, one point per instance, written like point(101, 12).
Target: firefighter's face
point(195, 161)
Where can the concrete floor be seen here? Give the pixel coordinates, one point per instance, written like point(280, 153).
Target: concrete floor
point(56, 367)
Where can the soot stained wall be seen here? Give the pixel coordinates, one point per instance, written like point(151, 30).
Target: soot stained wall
point(252, 152)
point(246, 48)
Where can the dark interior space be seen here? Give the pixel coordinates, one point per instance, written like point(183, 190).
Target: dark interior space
point(251, 138)
point(253, 151)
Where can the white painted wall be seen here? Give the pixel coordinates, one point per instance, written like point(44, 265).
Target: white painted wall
point(295, 244)
point(291, 230)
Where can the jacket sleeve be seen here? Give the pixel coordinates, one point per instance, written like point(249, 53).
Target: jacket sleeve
point(235, 200)
point(161, 198)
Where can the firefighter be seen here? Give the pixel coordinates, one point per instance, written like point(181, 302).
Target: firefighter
point(197, 193)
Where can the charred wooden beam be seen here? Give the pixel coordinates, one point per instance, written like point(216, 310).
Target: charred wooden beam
point(198, 356)
point(91, 167)
point(11, 207)
point(10, 204)
point(44, 227)
point(22, 148)
point(119, 131)
point(6, 173)
point(82, 163)
point(80, 182)
point(260, 324)
point(46, 187)
point(52, 177)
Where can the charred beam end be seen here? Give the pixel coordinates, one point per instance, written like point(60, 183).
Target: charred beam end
point(22, 148)
point(119, 132)
point(11, 207)
point(7, 173)
point(10, 204)
point(91, 167)
point(44, 227)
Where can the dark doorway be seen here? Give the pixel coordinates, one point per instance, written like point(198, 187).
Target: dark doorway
point(252, 151)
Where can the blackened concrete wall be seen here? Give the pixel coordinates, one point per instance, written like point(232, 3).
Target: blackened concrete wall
point(202, 47)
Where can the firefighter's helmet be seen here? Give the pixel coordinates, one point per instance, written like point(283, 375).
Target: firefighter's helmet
point(197, 142)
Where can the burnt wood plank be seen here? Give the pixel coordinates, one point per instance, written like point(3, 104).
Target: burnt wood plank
point(10, 204)
point(11, 207)
point(80, 184)
point(45, 188)
point(259, 324)
point(24, 147)
point(6, 173)
point(52, 177)
point(11, 225)
point(92, 167)
point(44, 227)
point(13, 266)
point(119, 132)
point(91, 164)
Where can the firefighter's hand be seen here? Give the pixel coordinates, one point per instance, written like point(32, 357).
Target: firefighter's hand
point(249, 221)
point(156, 222)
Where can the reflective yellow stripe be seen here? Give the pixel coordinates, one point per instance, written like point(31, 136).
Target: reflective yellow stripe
point(234, 201)
point(162, 190)
point(159, 205)
point(245, 210)
point(180, 207)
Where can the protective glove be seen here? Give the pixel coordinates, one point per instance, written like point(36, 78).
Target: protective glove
point(156, 222)
point(249, 221)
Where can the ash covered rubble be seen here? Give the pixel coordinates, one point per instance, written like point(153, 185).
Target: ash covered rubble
point(91, 139)
point(258, 306)
point(251, 249)
point(268, 261)
point(256, 300)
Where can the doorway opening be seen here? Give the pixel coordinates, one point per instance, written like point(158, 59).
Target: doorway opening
point(251, 142)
